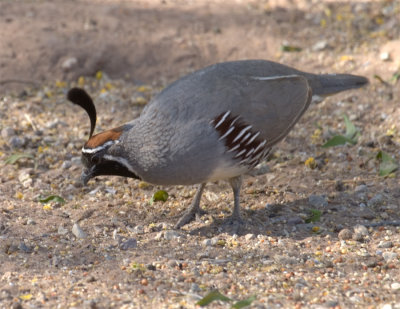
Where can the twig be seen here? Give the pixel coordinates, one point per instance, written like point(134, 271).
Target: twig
point(351, 180)
point(383, 223)
point(18, 81)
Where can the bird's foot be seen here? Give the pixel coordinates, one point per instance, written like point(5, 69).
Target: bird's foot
point(234, 225)
point(189, 216)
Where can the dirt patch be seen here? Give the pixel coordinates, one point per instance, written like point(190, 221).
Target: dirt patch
point(131, 257)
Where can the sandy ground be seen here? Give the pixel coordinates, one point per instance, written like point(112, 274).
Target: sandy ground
point(127, 254)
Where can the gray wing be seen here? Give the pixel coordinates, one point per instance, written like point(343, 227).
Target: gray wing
point(268, 96)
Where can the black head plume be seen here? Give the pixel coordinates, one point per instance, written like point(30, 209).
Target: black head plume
point(79, 97)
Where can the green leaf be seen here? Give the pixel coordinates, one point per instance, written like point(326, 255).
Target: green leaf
point(17, 156)
point(315, 216)
point(160, 195)
point(52, 198)
point(351, 131)
point(244, 303)
point(289, 48)
point(395, 77)
point(338, 140)
point(387, 164)
point(212, 296)
point(350, 136)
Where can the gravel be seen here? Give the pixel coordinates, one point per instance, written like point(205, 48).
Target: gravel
point(127, 255)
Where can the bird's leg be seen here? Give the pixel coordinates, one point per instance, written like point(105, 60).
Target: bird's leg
point(193, 210)
point(236, 184)
point(235, 221)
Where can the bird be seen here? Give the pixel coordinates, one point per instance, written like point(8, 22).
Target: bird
point(216, 123)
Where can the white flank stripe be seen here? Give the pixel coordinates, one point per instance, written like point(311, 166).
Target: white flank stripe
point(234, 120)
point(234, 148)
point(253, 138)
point(240, 153)
point(241, 133)
point(223, 119)
point(273, 77)
point(99, 148)
point(246, 137)
point(244, 161)
point(250, 152)
point(227, 133)
point(260, 145)
point(123, 161)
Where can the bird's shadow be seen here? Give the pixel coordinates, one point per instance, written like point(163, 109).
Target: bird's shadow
point(277, 220)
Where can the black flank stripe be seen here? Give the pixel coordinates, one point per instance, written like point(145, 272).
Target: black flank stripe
point(231, 120)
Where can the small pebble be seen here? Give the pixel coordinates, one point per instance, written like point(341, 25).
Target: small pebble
point(375, 200)
point(25, 179)
point(16, 142)
point(357, 237)
point(385, 56)
point(170, 235)
point(194, 288)
point(76, 161)
point(331, 304)
point(317, 201)
point(395, 286)
point(78, 232)
point(24, 248)
point(62, 230)
point(320, 45)
point(69, 63)
point(131, 243)
point(138, 229)
point(207, 243)
point(361, 229)
point(294, 220)
point(249, 237)
point(389, 256)
point(172, 263)
point(159, 235)
point(361, 188)
point(30, 222)
point(385, 244)
point(66, 165)
point(345, 234)
point(7, 133)
point(17, 305)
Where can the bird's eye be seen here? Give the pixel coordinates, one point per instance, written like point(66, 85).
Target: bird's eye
point(95, 160)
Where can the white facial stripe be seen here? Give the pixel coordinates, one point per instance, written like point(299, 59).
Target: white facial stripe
point(99, 148)
point(120, 160)
point(273, 77)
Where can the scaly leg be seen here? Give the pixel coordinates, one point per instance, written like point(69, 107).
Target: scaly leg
point(193, 210)
point(236, 184)
point(235, 221)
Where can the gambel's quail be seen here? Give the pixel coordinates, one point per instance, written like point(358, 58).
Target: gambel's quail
point(216, 123)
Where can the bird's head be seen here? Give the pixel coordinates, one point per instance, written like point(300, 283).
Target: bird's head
point(100, 154)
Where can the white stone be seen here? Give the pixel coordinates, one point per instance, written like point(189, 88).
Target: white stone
point(78, 232)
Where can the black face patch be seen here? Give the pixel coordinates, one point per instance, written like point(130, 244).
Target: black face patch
point(103, 168)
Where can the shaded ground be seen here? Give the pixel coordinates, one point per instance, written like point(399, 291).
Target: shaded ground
point(140, 46)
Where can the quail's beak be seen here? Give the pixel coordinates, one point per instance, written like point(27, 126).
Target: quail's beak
point(87, 174)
